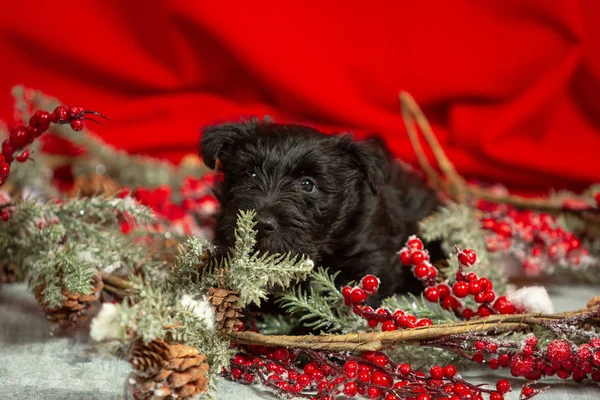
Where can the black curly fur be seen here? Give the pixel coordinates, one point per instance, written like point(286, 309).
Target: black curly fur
point(362, 211)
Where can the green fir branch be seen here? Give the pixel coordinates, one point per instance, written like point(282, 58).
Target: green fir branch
point(322, 307)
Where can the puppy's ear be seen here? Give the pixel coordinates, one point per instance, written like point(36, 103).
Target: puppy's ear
point(216, 139)
point(371, 162)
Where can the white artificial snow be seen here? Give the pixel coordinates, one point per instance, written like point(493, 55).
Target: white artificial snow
point(105, 326)
point(532, 299)
point(201, 309)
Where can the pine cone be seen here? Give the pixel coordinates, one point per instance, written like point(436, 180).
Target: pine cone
point(74, 306)
point(227, 309)
point(8, 273)
point(167, 371)
point(93, 185)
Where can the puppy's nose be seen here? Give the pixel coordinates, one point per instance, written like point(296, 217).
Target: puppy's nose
point(266, 225)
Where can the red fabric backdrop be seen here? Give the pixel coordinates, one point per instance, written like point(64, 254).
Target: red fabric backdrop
point(511, 87)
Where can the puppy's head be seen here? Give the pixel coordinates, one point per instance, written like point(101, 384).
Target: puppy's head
point(305, 186)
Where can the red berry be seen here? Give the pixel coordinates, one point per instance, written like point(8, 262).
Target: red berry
point(281, 354)
point(77, 125)
point(558, 351)
point(444, 290)
point(351, 366)
point(373, 323)
point(357, 309)
point(503, 229)
point(19, 138)
point(380, 360)
point(346, 290)
point(389, 326)
point(303, 380)
point(405, 321)
point(483, 311)
point(468, 313)
point(479, 345)
point(404, 369)
point(424, 322)
point(350, 389)
point(504, 306)
point(486, 284)
point(40, 121)
point(423, 396)
point(527, 350)
point(414, 243)
point(478, 357)
point(480, 297)
point(381, 379)
point(467, 257)
point(449, 371)
point(373, 393)
point(503, 386)
point(460, 289)
point(432, 294)
point(421, 271)
point(405, 257)
point(60, 115)
point(249, 378)
point(4, 169)
point(491, 347)
point(530, 341)
point(310, 368)
point(7, 150)
point(391, 396)
point(358, 295)
point(364, 377)
point(450, 303)
point(436, 372)
point(75, 112)
point(417, 257)
point(527, 391)
point(474, 287)
point(432, 272)
point(520, 365)
point(460, 388)
point(490, 296)
point(236, 373)
point(496, 396)
point(370, 284)
point(596, 358)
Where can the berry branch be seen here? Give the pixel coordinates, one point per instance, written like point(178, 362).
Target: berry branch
point(20, 136)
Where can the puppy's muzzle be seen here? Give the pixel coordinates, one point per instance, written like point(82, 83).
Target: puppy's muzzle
point(267, 224)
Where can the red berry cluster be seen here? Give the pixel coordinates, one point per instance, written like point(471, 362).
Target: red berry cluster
point(535, 239)
point(390, 321)
point(372, 375)
point(198, 202)
point(527, 359)
point(466, 284)
point(14, 147)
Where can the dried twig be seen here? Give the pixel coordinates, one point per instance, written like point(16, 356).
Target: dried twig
point(372, 341)
point(455, 185)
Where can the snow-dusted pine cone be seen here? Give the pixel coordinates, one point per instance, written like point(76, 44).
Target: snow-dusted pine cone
point(93, 185)
point(167, 371)
point(228, 312)
point(74, 306)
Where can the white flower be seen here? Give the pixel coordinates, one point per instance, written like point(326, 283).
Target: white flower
point(532, 299)
point(106, 326)
point(201, 309)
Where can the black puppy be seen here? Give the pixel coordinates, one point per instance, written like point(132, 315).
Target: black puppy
point(345, 204)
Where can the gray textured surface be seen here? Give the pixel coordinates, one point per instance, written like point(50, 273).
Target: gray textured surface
point(37, 366)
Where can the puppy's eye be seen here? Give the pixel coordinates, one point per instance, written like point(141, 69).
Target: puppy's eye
point(308, 185)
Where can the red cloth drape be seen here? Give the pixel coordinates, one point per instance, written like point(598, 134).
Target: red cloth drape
point(511, 87)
